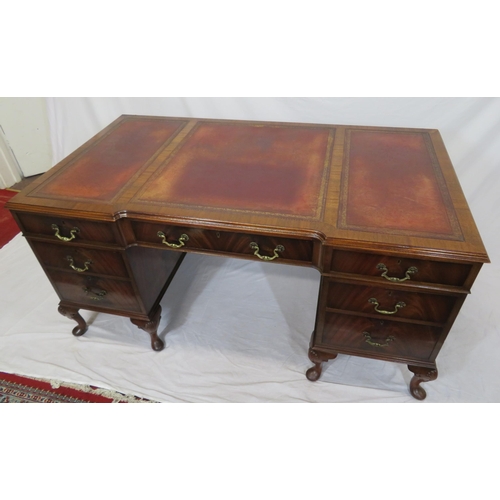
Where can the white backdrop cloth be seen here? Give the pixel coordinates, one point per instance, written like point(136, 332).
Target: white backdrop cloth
point(236, 330)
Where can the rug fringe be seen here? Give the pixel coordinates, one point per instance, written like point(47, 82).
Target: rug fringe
point(115, 396)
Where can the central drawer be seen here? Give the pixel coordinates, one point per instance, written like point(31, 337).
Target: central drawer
point(390, 302)
point(267, 248)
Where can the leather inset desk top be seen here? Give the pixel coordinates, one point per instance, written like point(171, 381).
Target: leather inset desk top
point(101, 172)
point(392, 183)
point(251, 167)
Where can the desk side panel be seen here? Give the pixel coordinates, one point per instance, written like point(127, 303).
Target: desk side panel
point(152, 270)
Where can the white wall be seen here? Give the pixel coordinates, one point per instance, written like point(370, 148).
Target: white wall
point(25, 125)
point(10, 173)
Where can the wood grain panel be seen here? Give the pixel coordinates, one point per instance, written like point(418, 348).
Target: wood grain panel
point(445, 273)
point(102, 262)
point(225, 242)
point(120, 294)
point(418, 306)
point(351, 333)
point(41, 225)
point(153, 269)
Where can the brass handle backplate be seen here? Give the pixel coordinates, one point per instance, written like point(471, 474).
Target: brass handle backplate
point(410, 270)
point(99, 295)
point(255, 247)
point(72, 233)
point(78, 269)
point(398, 306)
point(368, 339)
point(182, 239)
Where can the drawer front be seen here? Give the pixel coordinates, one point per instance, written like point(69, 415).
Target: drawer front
point(95, 291)
point(83, 260)
point(269, 248)
point(391, 302)
point(378, 338)
point(68, 230)
point(402, 269)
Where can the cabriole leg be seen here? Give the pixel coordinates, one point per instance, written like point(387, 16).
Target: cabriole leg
point(151, 327)
point(72, 313)
point(421, 374)
point(318, 359)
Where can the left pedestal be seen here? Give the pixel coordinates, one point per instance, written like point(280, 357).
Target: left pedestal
point(92, 270)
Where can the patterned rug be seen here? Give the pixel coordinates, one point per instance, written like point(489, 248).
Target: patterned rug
point(18, 389)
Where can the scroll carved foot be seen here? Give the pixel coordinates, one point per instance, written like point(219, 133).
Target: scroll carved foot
point(314, 372)
point(72, 313)
point(151, 327)
point(421, 375)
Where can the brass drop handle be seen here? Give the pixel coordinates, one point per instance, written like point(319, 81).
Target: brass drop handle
point(398, 306)
point(183, 238)
point(78, 269)
point(94, 295)
point(410, 270)
point(72, 233)
point(368, 339)
point(254, 246)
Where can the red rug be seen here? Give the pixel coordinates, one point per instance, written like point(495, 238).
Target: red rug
point(17, 389)
point(8, 226)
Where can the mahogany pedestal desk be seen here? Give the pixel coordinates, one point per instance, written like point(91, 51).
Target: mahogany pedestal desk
point(378, 211)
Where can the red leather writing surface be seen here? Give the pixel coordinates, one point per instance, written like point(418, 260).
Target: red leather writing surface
point(101, 173)
point(246, 167)
point(392, 183)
